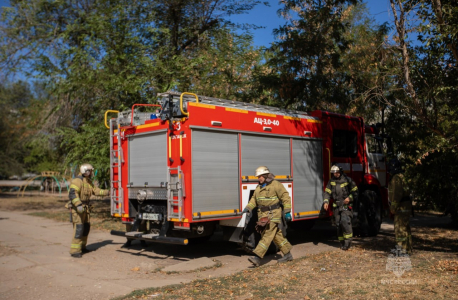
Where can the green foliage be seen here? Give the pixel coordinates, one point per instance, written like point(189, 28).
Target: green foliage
point(89, 144)
point(433, 182)
point(423, 109)
point(330, 55)
point(306, 57)
point(19, 114)
point(42, 155)
point(100, 55)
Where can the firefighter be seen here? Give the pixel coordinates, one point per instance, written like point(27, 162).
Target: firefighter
point(81, 190)
point(343, 190)
point(268, 197)
point(400, 206)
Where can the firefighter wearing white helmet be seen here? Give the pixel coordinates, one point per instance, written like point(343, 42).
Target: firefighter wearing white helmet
point(268, 198)
point(343, 190)
point(81, 190)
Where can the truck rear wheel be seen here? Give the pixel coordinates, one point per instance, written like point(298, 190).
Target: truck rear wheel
point(370, 213)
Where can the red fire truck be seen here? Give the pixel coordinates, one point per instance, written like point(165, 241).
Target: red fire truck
point(179, 173)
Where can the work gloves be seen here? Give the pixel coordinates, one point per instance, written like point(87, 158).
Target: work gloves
point(246, 211)
point(288, 216)
point(80, 209)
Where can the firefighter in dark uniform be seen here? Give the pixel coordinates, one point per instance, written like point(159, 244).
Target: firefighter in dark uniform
point(268, 197)
point(343, 190)
point(400, 206)
point(81, 190)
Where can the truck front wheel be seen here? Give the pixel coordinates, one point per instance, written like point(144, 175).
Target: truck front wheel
point(370, 213)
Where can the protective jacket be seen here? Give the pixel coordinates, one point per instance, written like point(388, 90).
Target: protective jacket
point(81, 190)
point(271, 194)
point(339, 189)
point(397, 193)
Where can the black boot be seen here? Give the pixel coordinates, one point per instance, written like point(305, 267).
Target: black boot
point(347, 244)
point(255, 260)
point(76, 255)
point(342, 244)
point(287, 257)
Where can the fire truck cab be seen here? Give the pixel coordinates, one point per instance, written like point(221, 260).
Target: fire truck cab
point(179, 173)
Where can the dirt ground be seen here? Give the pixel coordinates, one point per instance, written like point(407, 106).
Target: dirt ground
point(34, 262)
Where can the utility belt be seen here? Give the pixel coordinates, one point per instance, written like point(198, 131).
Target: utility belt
point(342, 207)
point(270, 207)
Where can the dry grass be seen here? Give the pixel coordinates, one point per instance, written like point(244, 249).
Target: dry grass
point(356, 274)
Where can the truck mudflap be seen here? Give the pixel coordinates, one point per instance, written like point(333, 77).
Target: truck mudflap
point(152, 237)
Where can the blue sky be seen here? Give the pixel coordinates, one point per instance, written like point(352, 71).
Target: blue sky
point(267, 17)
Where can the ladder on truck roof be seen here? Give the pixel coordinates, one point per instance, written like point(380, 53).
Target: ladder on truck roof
point(116, 159)
point(237, 104)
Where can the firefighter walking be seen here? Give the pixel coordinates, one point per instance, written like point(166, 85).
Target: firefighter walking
point(400, 206)
point(81, 190)
point(343, 190)
point(268, 197)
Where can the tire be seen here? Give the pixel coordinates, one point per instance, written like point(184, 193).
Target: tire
point(370, 213)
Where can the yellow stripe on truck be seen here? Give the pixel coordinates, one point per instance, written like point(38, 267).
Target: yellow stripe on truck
point(216, 212)
point(306, 213)
point(236, 110)
point(121, 216)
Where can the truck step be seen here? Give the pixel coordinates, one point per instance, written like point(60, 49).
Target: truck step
point(134, 234)
point(151, 237)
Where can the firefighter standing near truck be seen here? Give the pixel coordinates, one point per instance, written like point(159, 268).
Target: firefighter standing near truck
point(81, 190)
point(343, 190)
point(269, 197)
point(400, 206)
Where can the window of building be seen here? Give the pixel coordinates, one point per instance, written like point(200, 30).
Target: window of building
point(344, 143)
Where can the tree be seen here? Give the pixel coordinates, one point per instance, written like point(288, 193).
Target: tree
point(426, 98)
point(110, 54)
point(20, 112)
point(330, 56)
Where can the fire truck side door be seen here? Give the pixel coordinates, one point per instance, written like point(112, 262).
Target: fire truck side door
point(375, 158)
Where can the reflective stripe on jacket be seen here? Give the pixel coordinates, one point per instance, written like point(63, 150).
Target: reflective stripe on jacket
point(273, 193)
point(339, 189)
point(81, 190)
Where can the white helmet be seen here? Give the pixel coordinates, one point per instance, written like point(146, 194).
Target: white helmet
point(262, 170)
point(335, 169)
point(86, 169)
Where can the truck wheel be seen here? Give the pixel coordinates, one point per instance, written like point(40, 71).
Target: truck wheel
point(370, 213)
